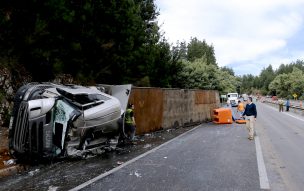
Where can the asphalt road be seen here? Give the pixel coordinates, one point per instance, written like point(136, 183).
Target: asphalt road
point(219, 157)
point(282, 140)
point(211, 157)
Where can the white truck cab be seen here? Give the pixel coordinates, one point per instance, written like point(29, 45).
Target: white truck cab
point(233, 99)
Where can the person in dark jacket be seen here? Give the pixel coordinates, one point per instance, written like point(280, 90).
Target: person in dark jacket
point(287, 104)
point(251, 115)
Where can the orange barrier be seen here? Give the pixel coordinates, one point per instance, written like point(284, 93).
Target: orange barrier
point(222, 116)
point(240, 121)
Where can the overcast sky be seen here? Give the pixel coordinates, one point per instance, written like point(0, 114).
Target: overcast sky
point(247, 35)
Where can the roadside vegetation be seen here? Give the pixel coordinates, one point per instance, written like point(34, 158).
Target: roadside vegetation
point(286, 81)
point(118, 42)
point(112, 42)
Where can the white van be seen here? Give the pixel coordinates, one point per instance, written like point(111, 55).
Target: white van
point(233, 99)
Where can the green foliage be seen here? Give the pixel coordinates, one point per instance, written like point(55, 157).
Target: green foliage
point(180, 50)
point(288, 68)
point(112, 42)
point(197, 49)
point(198, 74)
point(266, 76)
point(144, 82)
point(285, 81)
point(247, 82)
point(250, 83)
point(226, 82)
point(227, 69)
point(201, 75)
point(88, 39)
point(279, 85)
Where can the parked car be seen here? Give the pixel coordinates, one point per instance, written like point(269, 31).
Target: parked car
point(53, 120)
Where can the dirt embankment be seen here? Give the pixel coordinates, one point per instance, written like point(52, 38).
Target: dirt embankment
point(7, 164)
point(4, 155)
point(3, 139)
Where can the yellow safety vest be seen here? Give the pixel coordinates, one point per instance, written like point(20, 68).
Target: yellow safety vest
point(128, 118)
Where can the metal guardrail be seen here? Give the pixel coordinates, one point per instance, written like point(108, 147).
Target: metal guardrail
point(299, 107)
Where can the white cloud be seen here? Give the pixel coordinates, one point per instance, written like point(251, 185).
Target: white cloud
point(240, 30)
point(231, 50)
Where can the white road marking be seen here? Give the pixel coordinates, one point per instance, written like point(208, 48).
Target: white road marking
point(287, 113)
point(264, 183)
point(294, 116)
point(127, 163)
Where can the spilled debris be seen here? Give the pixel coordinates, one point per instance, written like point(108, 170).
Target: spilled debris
point(32, 173)
point(135, 173)
point(147, 146)
point(53, 188)
point(9, 162)
point(46, 176)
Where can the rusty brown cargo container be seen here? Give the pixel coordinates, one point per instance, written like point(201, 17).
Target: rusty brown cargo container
point(187, 107)
point(157, 108)
point(148, 107)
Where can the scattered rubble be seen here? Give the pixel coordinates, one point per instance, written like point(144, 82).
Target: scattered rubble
point(32, 173)
point(119, 162)
point(100, 159)
point(9, 162)
point(147, 146)
point(46, 176)
point(53, 188)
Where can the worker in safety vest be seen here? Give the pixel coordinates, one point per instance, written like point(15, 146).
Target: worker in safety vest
point(240, 108)
point(130, 124)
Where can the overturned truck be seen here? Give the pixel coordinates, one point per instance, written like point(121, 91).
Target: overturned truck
point(54, 120)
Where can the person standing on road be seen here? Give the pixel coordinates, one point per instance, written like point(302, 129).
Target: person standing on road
point(251, 115)
point(281, 103)
point(229, 106)
point(287, 104)
point(240, 107)
point(130, 122)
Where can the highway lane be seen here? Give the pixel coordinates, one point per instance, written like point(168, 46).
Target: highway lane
point(219, 157)
point(282, 140)
point(211, 157)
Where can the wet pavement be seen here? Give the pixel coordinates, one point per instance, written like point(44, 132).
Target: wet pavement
point(211, 157)
point(68, 173)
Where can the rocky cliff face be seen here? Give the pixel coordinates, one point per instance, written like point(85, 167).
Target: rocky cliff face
point(9, 83)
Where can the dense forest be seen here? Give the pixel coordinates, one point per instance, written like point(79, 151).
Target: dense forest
point(285, 81)
point(118, 42)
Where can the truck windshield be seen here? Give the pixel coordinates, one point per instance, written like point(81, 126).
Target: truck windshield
point(232, 95)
